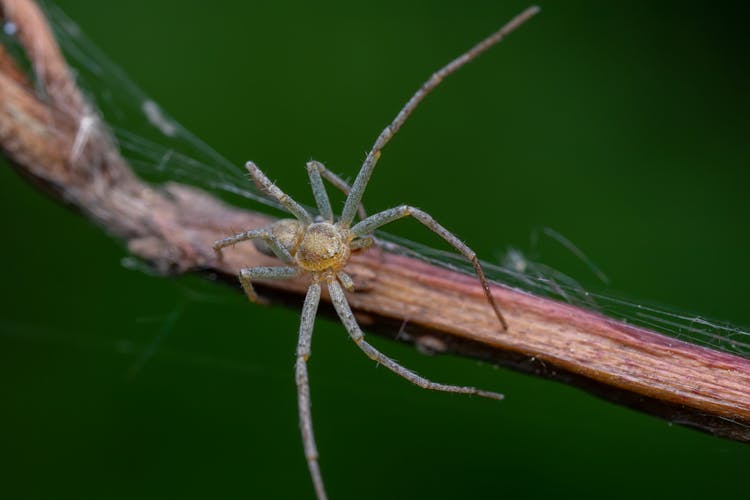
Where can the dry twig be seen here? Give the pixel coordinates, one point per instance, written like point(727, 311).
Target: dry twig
point(173, 226)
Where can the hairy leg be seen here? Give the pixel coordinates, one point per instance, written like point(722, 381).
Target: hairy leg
point(317, 168)
point(307, 322)
point(360, 183)
point(347, 317)
point(263, 234)
point(314, 171)
point(272, 190)
point(380, 219)
point(248, 274)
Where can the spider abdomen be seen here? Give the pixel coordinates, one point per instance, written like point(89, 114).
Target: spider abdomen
point(324, 246)
point(287, 232)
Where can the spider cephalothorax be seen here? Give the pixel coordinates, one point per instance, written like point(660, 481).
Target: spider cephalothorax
point(324, 246)
point(321, 246)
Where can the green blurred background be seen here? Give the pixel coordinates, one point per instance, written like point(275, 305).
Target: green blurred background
point(622, 126)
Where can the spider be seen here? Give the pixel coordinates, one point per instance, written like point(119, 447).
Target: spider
point(321, 246)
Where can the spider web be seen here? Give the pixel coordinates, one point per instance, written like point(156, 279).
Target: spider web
point(161, 150)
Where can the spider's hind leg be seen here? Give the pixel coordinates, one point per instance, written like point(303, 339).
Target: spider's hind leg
point(254, 234)
point(347, 317)
point(248, 274)
point(307, 322)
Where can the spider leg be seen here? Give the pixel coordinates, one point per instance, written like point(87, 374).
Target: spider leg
point(345, 280)
point(272, 190)
point(347, 317)
point(380, 219)
point(247, 274)
point(307, 322)
point(263, 233)
point(360, 183)
point(318, 169)
point(319, 190)
point(362, 242)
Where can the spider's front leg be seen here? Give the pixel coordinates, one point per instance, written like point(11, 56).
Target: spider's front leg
point(317, 171)
point(272, 190)
point(373, 222)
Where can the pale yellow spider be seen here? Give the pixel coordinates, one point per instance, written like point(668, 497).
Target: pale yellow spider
point(321, 247)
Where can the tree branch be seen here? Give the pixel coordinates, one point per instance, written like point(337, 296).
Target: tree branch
point(52, 136)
